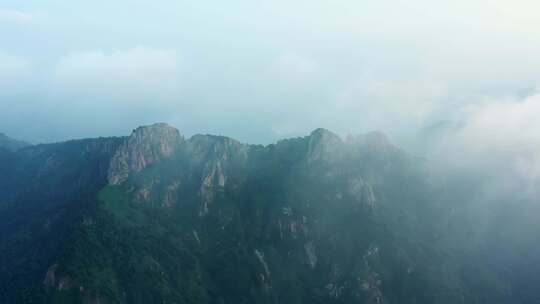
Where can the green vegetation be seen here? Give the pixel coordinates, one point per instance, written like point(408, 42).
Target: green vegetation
point(218, 223)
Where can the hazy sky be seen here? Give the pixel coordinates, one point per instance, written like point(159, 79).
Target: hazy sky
point(263, 70)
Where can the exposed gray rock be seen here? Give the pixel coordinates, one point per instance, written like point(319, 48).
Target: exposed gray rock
point(260, 257)
point(145, 146)
point(362, 191)
point(310, 253)
point(324, 145)
point(216, 155)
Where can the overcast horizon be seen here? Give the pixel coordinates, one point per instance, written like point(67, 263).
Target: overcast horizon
point(259, 72)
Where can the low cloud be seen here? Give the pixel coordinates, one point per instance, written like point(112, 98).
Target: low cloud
point(496, 140)
point(94, 93)
point(135, 75)
point(15, 17)
point(386, 104)
point(15, 73)
point(295, 69)
point(349, 66)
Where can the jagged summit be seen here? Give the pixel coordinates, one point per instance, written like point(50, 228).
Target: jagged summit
point(372, 138)
point(219, 146)
point(150, 144)
point(322, 132)
point(328, 146)
point(157, 126)
point(146, 145)
point(323, 145)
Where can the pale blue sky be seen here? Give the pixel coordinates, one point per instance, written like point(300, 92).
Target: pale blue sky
point(263, 70)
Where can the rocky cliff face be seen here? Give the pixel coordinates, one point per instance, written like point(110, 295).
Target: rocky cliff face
point(324, 145)
point(154, 218)
point(145, 146)
point(209, 161)
point(279, 214)
point(216, 157)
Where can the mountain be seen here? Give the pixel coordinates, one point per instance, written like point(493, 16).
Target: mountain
point(44, 190)
point(10, 143)
point(159, 218)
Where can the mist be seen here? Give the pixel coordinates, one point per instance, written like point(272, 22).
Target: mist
point(455, 83)
point(454, 86)
point(259, 72)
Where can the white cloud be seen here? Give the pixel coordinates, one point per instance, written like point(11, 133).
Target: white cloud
point(136, 74)
point(16, 17)
point(15, 72)
point(285, 67)
point(499, 139)
point(295, 69)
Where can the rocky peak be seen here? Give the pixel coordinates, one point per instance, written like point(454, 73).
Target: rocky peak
point(216, 154)
point(323, 145)
point(217, 147)
point(145, 146)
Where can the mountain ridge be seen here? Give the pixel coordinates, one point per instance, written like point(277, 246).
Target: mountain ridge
point(154, 217)
point(11, 144)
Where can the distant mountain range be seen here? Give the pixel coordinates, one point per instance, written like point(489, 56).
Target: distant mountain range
point(10, 143)
point(159, 218)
